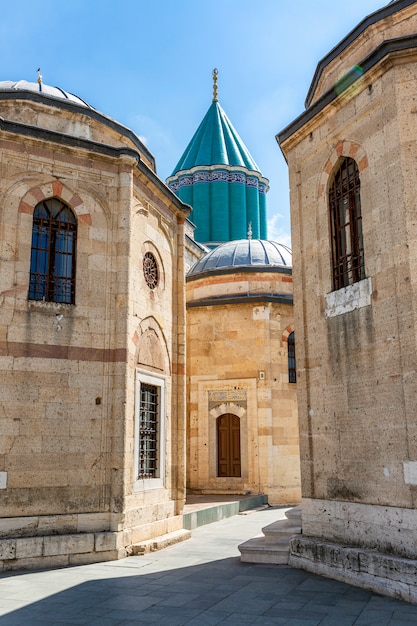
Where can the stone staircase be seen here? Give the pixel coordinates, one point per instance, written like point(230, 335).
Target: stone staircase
point(198, 511)
point(272, 546)
point(159, 543)
point(214, 508)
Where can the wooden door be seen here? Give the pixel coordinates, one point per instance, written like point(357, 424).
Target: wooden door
point(228, 446)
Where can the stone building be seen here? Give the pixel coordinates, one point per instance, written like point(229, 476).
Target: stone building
point(352, 160)
point(92, 335)
point(95, 435)
point(242, 429)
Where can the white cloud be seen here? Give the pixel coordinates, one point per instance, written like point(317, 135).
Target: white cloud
point(276, 232)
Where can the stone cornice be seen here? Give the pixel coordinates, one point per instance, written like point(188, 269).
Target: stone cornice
point(382, 13)
point(63, 139)
point(79, 110)
point(389, 47)
point(256, 298)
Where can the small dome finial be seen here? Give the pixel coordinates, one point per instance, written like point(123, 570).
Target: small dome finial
point(39, 79)
point(215, 74)
point(250, 233)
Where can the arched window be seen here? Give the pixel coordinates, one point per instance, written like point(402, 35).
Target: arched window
point(292, 372)
point(346, 225)
point(52, 259)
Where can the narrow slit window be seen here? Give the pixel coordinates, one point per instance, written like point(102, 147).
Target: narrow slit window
point(292, 372)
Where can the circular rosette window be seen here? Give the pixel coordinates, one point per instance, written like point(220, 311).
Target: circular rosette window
point(150, 270)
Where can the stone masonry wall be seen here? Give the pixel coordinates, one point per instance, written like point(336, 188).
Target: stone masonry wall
point(357, 381)
point(238, 364)
point(67, 401)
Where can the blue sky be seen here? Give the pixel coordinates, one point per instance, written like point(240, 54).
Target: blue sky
point(148, 65)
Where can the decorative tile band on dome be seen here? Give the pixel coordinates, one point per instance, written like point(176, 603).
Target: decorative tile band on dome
point(244, 253)
point(204, 176)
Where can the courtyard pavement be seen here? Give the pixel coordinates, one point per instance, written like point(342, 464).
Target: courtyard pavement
point(200, 582)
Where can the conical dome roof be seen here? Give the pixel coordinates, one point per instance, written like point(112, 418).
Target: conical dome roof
point(216, 142)
point(219, 179)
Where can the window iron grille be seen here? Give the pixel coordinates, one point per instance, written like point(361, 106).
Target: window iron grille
point(148, 431)
point(52, 261)
point(346, 226)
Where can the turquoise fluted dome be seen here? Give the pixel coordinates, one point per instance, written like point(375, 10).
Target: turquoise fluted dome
point(216, 142)
point(220, 180)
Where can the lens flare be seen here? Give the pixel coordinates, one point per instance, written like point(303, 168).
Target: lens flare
point(348, 79)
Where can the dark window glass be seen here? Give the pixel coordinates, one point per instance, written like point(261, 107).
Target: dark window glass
point(346, 225)
point(52, 260)
point(292, 372)
point(148, 431)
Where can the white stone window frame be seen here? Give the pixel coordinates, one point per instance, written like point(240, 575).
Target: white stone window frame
point(358, 294)
point(145, 484)
point(349, 298)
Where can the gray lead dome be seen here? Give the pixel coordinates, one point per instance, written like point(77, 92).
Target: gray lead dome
point(244, 253)
point(47, 90)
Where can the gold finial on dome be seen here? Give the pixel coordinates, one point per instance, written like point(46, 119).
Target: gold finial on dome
point(215, 74)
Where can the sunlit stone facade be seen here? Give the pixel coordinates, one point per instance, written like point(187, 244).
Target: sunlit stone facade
point(76, 480)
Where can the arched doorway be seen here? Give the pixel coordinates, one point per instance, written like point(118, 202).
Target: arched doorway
point(228, 446)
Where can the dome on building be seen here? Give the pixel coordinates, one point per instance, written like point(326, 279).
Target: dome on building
point(82, 120)
point(42, 89)
point(244, 253)
point(220, 180)
point(216, 142)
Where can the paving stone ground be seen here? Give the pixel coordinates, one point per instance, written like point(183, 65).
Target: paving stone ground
point(199, 582)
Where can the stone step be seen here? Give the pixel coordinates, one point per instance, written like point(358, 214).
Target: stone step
point(273, 545)
point(281, 528)
point(257, 551)
point(294, 513)
point(285, 524)
point(222, 510)
point(159, 543)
